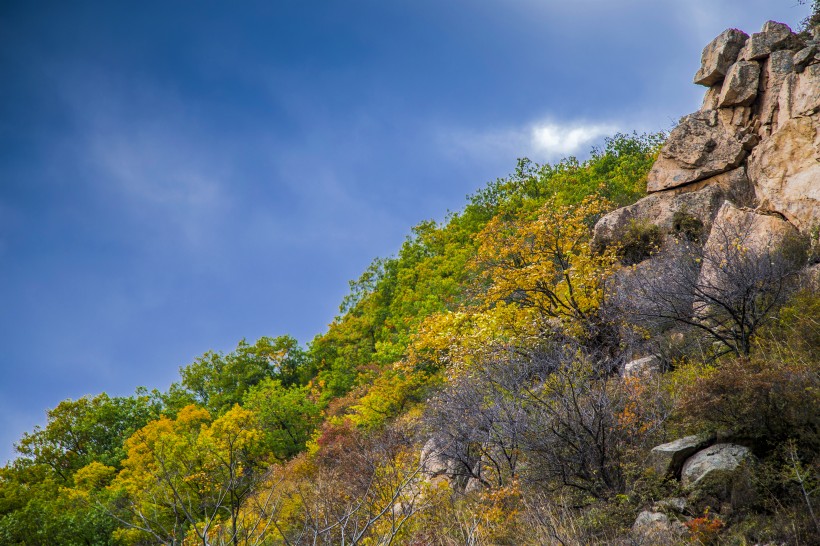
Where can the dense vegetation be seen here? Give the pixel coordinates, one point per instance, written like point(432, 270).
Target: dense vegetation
point(468, 393)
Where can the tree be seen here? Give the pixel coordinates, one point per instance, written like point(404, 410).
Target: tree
point(188, 475)
point(287, 416)
point(218, 381)
point(356, 489)
point(545, 417)
point(546, 266)
point(726, 289)
point(84, 430)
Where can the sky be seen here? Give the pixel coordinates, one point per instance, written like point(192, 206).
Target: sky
point(176, 176)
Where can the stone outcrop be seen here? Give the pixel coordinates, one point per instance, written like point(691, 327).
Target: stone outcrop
point(746, 169)
point(760, 117)
point(786, 170)
point(753, 231)
point(667, 459)
point(700, 201)
point(719, 55)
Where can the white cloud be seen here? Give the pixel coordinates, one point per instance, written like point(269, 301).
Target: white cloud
point(553, 139)
point(540, 141)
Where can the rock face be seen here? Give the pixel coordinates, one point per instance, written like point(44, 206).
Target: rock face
point(700, 201)
point(760, 117)
point(667, 459)
point(755, 231)
point(719, 55)
point(786, 171)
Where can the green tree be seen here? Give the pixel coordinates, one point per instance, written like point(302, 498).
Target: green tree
point(288, 416)
point(218, 381)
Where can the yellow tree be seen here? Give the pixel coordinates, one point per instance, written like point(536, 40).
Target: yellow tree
point(545, 266)
point(189, 477)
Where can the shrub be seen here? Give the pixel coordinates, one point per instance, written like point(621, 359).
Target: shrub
point(639, 242)
point(687, 225)
point(765, 401)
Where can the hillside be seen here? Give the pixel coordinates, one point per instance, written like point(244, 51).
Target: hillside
point(622, 350)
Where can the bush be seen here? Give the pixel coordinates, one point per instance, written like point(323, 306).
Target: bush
point(687, 225)
point(639, 242)
point(763, 401)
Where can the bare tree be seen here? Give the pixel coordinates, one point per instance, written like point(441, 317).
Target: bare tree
point(551, 416)
point(367, 490)
point(726, 289)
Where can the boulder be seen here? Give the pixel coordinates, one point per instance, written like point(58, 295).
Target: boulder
point(773, 37)
point(433, 462)
point(740, 86)
point(473, 485)
point(719, 55)
point(785, 171)
point(677, 505)
point(701, 146)
point(718, 470)
point(804, 57)
point(700, 201)
point(643, 367)
point(667, 459)
point(657, 528)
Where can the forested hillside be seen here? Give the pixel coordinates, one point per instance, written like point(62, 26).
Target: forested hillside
point(505, 377)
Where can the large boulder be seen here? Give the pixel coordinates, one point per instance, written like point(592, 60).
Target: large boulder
point(740, 87)
point(785, 171)
point(722, 471)
point(701, 146)
point(773, 37)
point(715, 464)
point(699, 202)
point(719, 55)
point(668, 459)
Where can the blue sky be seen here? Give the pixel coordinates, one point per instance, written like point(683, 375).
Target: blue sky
point(177, 176)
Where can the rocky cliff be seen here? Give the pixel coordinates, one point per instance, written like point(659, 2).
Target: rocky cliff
point(755, 142)
point(750, 158)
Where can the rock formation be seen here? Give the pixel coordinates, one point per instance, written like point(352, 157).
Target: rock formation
point(755, 142)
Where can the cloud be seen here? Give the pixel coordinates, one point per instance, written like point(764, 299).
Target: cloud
point(541, 141)
point(553, 139)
